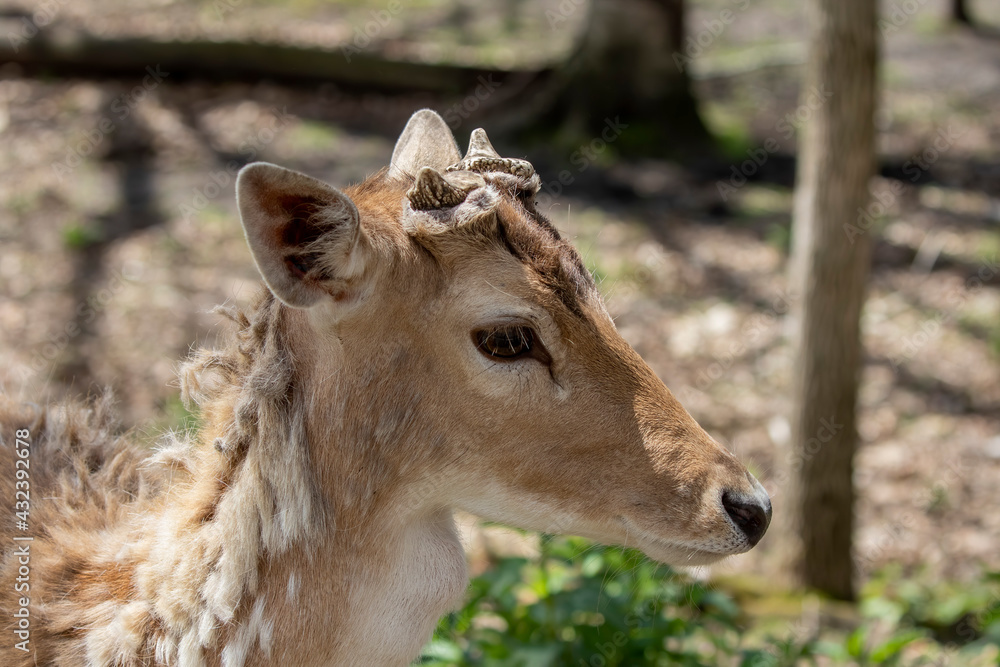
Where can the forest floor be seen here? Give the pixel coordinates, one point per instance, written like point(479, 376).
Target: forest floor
point(119, 235)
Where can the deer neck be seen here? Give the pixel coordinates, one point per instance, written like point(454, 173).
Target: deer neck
point(391, 555)
point(325, 533)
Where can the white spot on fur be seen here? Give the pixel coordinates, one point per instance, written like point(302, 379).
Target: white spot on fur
point(292, 591)
point(254, 631)
point(190, 654)
point(266, 635)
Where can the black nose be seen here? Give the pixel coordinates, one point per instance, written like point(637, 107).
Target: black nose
point(750, 517)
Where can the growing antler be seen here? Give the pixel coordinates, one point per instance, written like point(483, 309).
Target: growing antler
point(433, 190)
point(483, 158)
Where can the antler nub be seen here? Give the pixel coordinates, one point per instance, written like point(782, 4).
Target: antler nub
point(482, 157)
point(432, 191)
point(480, 146)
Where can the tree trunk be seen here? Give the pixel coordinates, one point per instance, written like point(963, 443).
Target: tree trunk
point(830, 264)
point(630, 65)
point(960, 13)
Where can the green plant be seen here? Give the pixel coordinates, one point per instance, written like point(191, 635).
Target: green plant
point(589, 606)
point(954, 612)
point(78, 236)
point(580, 605)
point(863, 649)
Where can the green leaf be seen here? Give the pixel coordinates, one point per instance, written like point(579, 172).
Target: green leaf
point(855, 643)
point(831, 649)
point(882, 608)
point(894, 645)
point(443, 650)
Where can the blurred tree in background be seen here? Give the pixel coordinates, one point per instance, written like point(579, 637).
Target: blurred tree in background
point(830, 264)
point(627, 66)
point(959, 12)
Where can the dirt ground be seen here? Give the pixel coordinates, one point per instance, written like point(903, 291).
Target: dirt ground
point(119, 234)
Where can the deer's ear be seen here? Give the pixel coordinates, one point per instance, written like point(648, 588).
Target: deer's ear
point(426, 141)
point(304, 235)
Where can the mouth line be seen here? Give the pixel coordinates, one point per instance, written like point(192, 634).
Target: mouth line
point(646, 537)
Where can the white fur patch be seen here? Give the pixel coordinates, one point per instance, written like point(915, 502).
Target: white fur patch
point(292, 591)
point(256, 630)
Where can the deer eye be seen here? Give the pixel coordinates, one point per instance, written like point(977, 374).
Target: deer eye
point(505, 343)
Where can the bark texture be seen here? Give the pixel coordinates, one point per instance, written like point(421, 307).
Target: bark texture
point(630, 64)
point(830, 265)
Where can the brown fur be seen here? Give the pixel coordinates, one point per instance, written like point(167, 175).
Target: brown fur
point(308, 522)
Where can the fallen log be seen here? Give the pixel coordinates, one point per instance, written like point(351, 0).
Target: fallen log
point(62, 51)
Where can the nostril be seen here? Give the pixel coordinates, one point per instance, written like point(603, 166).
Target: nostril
point(750, 517)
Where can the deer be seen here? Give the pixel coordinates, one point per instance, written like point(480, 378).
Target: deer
point(423, 342)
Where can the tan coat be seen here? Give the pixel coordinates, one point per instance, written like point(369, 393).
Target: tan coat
point(426, 342)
